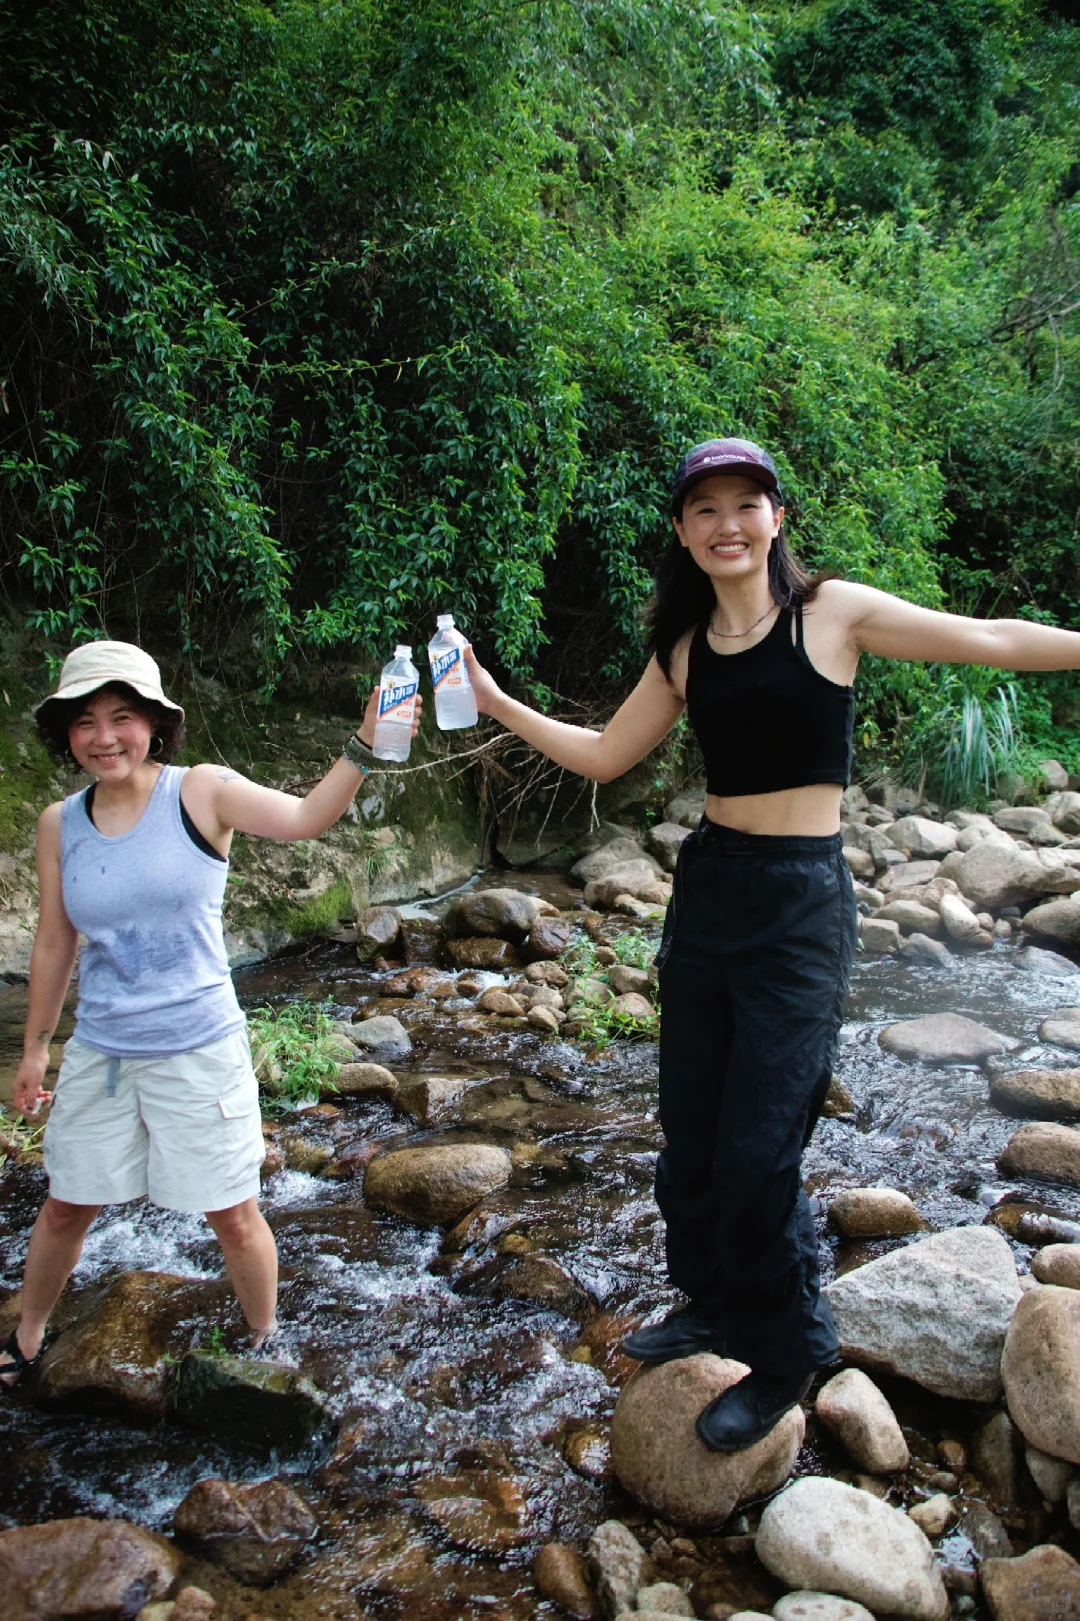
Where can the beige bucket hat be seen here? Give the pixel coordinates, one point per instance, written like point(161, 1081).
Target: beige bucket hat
point(95, 664)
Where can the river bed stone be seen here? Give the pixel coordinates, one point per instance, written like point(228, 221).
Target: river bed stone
point(659, 1459)
point(1044, 1151)
point(944, 1038)
point(854, 1409)
point(1041, 1370)
point(822, 1535)
point(1042, 1585)
point(264, 1405)
point(435, 1184)
point(1048, 1094)
point(1059, 1264)
point(82, 1567)
point(874, 1213)
point(936, 1312)
point(255, 1529)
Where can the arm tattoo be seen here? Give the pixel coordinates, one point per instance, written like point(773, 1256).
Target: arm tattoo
point(225, 775)
point(43, 1037)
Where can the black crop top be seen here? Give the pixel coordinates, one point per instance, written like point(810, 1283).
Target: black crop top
point(765, 718)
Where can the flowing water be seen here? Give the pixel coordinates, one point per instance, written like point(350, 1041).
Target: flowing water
point(443, 1378)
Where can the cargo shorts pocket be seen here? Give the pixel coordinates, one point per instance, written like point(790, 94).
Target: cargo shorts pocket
point(242, 1100)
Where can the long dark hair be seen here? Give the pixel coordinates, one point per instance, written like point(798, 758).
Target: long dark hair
point(683, 595)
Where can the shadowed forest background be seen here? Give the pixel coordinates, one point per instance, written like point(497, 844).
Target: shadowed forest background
point(318, 317)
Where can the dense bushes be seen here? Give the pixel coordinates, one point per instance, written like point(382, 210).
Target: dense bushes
point(319, 315)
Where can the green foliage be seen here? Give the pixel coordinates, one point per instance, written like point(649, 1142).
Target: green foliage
point(317, 318)
point(968, 739)
point(292, 1050)
point(600, 1024)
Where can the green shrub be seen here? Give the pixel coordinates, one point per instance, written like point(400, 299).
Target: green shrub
point(292, 1050)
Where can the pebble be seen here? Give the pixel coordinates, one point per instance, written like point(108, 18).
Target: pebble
point(665, 1598)
point(618, 1566)
point(934, 1516)
point(561, 1575)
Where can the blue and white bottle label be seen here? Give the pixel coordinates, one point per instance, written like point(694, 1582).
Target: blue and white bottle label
point(398, 697)
point(442, 667)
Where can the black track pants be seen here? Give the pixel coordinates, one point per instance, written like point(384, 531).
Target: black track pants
point(754, 968)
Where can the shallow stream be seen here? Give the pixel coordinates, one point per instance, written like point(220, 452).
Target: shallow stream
point(432, 1367)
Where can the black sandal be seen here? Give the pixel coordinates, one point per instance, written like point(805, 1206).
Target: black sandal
point(12, 1372)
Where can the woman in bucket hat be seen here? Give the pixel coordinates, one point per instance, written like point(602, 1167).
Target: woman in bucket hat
point(758, 940)
point(156, 1093)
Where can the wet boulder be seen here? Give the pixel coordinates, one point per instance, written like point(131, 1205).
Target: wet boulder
point(254, 1529)
point(82, 1567)
point(500, 1002)
point(484, 952)
point(936, 1312)
point(1048, 1094)
point(560, 1574)
point(378, 932)
point(116, 1357)
point(382, 1034)
point(435, 1184)
point(501, 914)
point(540, 1278)
point(874, 1213)
point(944, 1038)
point(822, 1535)
point(1044, 1151)
point(421, 939)
point(260, 1404)
point(1051, 964)
point(481, 1510)
point(1058, 1264)
point(657, 1456)
point(922, 948)
point(548, 938)
point(431, 1098)
point(854, 1409)
point(1041, 1370)
point(365, 1081)
point(1042, 1585)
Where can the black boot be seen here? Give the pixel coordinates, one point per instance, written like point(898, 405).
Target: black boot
point(683, 1332)
point(746, 1412)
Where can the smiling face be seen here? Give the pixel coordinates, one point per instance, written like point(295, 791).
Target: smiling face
point(110, 735)
point(727, 525)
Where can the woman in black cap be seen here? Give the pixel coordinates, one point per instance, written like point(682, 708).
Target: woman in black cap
point(758, 941)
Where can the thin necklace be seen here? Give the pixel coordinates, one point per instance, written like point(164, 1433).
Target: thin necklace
point(737, 635)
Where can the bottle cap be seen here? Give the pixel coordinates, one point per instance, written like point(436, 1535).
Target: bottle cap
point(444, 622)
point(403, 652)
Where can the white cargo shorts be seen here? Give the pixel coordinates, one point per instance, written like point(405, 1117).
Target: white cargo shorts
point(183, 1130)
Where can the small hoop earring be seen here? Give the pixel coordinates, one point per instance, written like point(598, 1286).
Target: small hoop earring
point(156, 752)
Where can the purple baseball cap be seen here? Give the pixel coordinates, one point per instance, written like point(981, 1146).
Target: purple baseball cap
point(723, 456)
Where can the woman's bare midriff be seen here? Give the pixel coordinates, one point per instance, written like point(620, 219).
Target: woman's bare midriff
point(811, 812)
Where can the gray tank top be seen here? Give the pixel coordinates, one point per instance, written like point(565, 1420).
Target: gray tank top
point(153, 975)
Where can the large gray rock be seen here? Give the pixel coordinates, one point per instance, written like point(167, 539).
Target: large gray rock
point(944, 1038)
point(936, 1312)
point(264, 1405)
point(1047, 1094)
point(919, 838)
point(382, 1034)
point(1051, 964)
point(665, 841)
point(82, 1567)
point(501, 914)
point(1041, 1370)
point(1024, 820)
point(658, 1458)
point(255, 1529)
point(625, 878)
point(1064, 811)
point(435, 1184)
point(1043, 1150)
point(609, 856)
point(994, 875)
point(823, 1535)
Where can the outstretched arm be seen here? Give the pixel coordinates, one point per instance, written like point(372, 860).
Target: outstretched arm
point(895, 629)
point(222, 801)
point(636, 727)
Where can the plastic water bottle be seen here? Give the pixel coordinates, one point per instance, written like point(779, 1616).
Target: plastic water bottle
point(455, 705)
point(397, 702)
